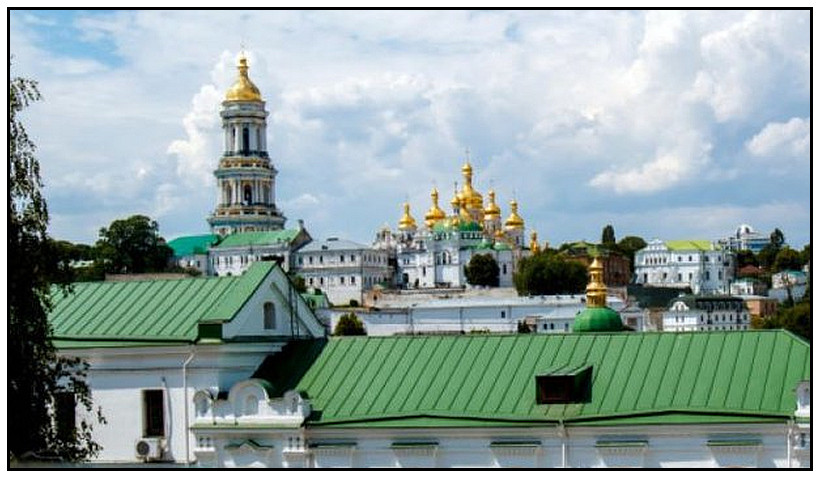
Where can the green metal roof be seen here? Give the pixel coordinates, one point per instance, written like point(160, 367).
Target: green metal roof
point(597, 319)
point(190, 245)
point(148, 312)
point(464, 381)
point(687, 245)
point(261, 238)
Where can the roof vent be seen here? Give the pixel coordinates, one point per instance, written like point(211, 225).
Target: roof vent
point(564, 384)
point(330, 239)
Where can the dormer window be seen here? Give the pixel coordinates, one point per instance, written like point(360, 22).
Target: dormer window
point(567, 384)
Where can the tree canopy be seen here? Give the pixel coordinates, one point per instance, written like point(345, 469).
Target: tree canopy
point(133, 246)
point(37, 378)
point(608, 235)
point(349, 324)
point(548, 274)
point(482, 270)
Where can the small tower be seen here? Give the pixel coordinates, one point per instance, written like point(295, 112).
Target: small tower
point(407, 225)
point(473, 202)
point(245, 177)
point(514, 225)
point(492, 215)
point(534, 247)
point(434, 214)
point(597, 317)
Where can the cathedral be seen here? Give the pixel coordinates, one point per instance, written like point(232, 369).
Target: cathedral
point(435, 254)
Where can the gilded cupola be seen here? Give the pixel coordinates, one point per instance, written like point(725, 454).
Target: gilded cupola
point(514, 221)
point(407, 222)
point(596, 289)
point(243, 89)
point(534, 247)
point(492, 211)
point(472, 197)
point(597, 317)
point(434, 214)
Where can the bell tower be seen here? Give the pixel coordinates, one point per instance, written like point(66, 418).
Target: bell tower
point(245, 176)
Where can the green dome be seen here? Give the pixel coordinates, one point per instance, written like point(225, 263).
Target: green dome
point(598, 319)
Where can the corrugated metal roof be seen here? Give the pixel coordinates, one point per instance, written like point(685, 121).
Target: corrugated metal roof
point(636, 378)
point(260, 238)
point(149, 311)
point(189, 245)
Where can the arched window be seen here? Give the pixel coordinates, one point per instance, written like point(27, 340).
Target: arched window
point(247, 196)
point(246, 140)
point(270, 316)
point(228, 197)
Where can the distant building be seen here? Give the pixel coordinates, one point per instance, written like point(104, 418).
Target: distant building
point(703, 266)
point(192, 251)
point(787, 284)
point(693, 312)
point(617, 272)
point(745, 238)
point(760, 306)
point(747, 286)
point(342, 269)
point(236, 252)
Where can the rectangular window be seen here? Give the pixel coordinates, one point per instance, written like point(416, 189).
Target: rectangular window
point(353, 280)
point(153, 413)
point(310, 280)
point(352, 258)
point(503, 314)
point(310, 260)
point(341, 258)
point(270, 316)
point(342, 280)
point(65, 406)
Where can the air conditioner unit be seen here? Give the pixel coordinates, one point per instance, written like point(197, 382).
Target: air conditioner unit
point(150, 448)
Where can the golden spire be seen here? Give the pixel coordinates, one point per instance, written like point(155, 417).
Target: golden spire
point(463, 212)
point(434, 214)
point(492, 211)
point(596, 289)
point(534, 243)
point(243, 89)
point(514, 221)
point(407, 222)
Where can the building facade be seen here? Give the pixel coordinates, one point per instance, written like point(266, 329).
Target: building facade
point(703, 266)
point(746, 238)
point(343, 270)
point(691, 313)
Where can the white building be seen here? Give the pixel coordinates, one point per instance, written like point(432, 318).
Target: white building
point(704, 267)
point(152, 344)
point(435, 254)
point(690, 313)
point(747, 286)
point(746, 238)
point(343, 270)
point(235, 253)
point(787, 284)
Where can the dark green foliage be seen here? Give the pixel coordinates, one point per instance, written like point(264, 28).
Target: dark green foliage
point(787, 259)
point(35, 374)
point(805, 254)
point(549, 274)
point(349, 324)
point(795, 319)
point(133, 246)
point(482, 270)
point(628, 246)
point(767, 256)
point(608, 235)
point(777, 239)
point(298, 282)
point(746, 258)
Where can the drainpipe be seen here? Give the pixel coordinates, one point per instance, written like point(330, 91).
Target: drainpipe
point(789, 427)
point(185, 407)
point(563, 432)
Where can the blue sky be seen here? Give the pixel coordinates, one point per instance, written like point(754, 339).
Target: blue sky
point(671, 125)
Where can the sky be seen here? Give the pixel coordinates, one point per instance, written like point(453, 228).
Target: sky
point(664, 124)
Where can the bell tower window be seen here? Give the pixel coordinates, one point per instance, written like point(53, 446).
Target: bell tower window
point(247, 195)
point(246, 140)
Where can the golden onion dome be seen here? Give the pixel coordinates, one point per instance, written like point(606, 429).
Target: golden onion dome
point(596, 289)
point(407, 222)
point(243, 89)
point(473, 197)
point(514, 221)
point(492, 211)
point(434, 214)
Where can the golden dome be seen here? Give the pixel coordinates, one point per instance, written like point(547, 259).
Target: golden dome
point(492, 211)
point(514, 221)
point(434, 214)
point(473, 198)
point(596, 289)
point(243, 89)
point(407, 222)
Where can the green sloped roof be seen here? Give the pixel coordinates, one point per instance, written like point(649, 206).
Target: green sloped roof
point(242, 239)
point(190, 245)
point(687, 245)
point(489, 380)
point(148, 312)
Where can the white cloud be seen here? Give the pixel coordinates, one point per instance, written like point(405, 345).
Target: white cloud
point(779, 140)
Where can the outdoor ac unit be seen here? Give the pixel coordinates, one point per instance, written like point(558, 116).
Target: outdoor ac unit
point(149, 448)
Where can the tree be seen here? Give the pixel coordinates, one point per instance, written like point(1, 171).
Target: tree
point(795, 319)
point(608, 235)
point(37, 377)
point(628, 246)
point(349, 324)
point(133, 246)
point(777, 239)
point(805, 254)
point(547, 274)
point(482, 270)
point(787, 259)
point(745, 258)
